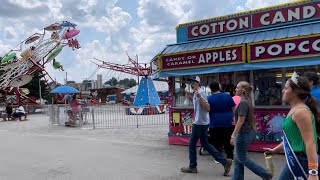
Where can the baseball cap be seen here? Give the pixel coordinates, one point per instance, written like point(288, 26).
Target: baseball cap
point(196, 79)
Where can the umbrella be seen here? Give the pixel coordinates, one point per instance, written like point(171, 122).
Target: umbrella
point(64, 90)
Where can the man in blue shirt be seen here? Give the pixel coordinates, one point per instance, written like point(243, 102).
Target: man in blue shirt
point(221, 117)
point(200, 130)
point(314, 82)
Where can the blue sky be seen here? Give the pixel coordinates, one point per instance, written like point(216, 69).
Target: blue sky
point(110, 27)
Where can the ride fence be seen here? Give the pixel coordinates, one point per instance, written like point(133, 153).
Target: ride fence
point(105, 116)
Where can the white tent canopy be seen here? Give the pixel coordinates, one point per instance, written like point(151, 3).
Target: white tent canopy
point(159, 85)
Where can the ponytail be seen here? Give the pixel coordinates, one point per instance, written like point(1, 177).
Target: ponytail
point(313, 104)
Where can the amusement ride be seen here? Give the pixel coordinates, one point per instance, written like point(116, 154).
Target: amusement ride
point(147, 94)
point(31, 55)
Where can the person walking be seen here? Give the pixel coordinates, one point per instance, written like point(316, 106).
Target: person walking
point(200, 131)
point(314, 84)
point(300, 131)
point(221, 118)
point(244, 134)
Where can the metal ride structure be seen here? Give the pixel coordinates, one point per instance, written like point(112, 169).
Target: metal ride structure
point(147, 94)
point(32, 54)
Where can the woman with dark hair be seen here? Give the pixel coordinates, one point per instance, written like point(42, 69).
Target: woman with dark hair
point(300, 131)
point(244, 133)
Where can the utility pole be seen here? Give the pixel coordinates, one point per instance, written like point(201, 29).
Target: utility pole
point(40, 91)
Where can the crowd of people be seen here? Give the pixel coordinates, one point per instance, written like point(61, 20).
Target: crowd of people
point(232, 126)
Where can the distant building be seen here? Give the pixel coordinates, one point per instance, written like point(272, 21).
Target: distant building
point(93, 84)
point(99, 81)
point(104, 92)
point(86, 85)
point(75, 85)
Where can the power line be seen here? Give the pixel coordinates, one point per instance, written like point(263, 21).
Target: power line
point(93, 73)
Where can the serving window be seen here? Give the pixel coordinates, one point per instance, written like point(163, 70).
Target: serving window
point(267, 84)
point(183, 88)
point(228, 82)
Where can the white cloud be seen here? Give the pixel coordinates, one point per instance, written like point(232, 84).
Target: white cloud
point(103, 15)
point(4, 48)
point(159, 19)
point(240, 9)
point(255, 4)
point(10, 33)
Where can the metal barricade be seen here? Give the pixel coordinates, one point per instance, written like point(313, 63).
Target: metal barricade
point(55, 113)
point(112, 116)
point(118, 116)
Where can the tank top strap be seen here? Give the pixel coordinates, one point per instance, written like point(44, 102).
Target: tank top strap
point(305, 107)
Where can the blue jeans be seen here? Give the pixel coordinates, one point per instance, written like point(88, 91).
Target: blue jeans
point(201, 131)
point(285, 172)
point(240, 160)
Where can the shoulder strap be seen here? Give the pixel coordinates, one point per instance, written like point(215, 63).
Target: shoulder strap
point(305, 107)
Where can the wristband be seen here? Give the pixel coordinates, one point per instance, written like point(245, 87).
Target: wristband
point(313, 164)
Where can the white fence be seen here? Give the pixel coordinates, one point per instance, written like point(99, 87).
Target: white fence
point(111, 116)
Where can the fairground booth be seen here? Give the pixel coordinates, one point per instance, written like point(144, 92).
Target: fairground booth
point(261, 46)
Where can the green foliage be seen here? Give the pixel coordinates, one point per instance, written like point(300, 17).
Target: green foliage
point(128, 83)
point(113, 82)
point(33, 87)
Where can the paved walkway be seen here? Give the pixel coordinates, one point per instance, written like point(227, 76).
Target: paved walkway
point(37, 150)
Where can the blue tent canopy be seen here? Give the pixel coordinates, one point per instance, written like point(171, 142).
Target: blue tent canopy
point(64, 90)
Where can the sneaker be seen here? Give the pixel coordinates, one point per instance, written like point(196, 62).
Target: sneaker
point(216, 161)
point(227, 167)
point(270, 177)
point(189, 170)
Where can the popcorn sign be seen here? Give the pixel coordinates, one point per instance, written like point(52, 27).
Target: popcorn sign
point(285, 49)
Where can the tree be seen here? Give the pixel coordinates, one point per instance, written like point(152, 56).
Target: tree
point(33, 87)
point(71, 82)
point(113, 81)
point(132, 82)
point(128, 83)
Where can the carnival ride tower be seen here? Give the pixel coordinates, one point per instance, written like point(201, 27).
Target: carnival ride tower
point(147, 93)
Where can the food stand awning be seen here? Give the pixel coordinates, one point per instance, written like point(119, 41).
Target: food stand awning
point(227, 41)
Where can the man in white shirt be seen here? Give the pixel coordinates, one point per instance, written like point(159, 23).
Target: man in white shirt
point(200, 131)
point(19, 112)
